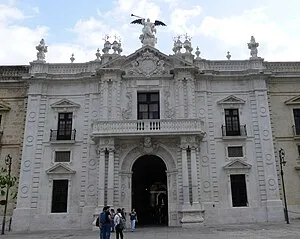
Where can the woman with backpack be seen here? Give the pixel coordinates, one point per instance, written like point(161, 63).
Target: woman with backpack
point(119, 222)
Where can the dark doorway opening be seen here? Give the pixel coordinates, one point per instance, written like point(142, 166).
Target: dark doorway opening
point(149, 191)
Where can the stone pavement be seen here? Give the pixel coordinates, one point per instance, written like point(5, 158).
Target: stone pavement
point(247, 231)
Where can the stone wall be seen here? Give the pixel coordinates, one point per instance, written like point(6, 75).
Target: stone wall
point(13, 100)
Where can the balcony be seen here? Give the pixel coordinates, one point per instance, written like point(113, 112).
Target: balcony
point(229, 133)
point(296, 131)
point(62, 135)
point(148, 127)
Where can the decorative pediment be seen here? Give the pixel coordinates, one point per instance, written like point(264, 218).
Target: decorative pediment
point(231, 100)
point(293, 101)
point(4, 106)
point(237, 164)
point(147, 63)
point(60, 169)
point(64, 103)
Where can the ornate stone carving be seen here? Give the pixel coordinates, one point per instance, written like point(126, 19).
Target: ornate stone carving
point(252, 45)
point(126, 113)
point(42, 49)
point(147, 65)
point(148, 146)
point(169, 113)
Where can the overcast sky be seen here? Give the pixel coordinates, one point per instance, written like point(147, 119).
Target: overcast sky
point(216, 26)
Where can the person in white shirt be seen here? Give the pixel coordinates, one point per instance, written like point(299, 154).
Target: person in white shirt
point(119, 225)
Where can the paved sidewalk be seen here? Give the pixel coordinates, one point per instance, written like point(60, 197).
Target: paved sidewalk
point(249, 231)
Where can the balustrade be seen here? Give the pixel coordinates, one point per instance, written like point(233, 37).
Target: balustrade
point(148, 127)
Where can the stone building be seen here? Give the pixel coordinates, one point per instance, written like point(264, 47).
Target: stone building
point(181, 139)
point(13, 99)
point(284, 101)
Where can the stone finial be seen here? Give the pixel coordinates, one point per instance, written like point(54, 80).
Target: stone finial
point(187, 44)
point(120, 48)
point(177, 45)
point(252, 45)
point(98, 55)
point(42, 49)
point(107, 45)
point(228, 55)
point(72, 58)
point(197, 52)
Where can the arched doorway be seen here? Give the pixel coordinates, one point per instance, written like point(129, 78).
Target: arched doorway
point(149, 190)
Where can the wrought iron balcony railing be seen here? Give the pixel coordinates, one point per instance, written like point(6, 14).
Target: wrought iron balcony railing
point(62, 134)
point(296, 130)
point(229, 131)
point(148, 127)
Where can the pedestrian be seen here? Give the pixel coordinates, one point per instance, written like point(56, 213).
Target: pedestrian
point(133, 219)
point(101, 221)
point(112, 214)
point(119, 222)
point(106, 224)
point(123, 213)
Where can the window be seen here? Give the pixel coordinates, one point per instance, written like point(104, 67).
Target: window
point(235, 151)
point(232, 122)
point(297, 121)
point(238, 190)
point(59, 196)
point(62, 156)
point(298, 150)
point(148, 105)
point(64, 130)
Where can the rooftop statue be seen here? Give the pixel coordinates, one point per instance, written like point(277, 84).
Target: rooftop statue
point(148, 36)
point(42, 49)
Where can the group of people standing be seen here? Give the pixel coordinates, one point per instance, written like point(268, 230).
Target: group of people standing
point(109, 221)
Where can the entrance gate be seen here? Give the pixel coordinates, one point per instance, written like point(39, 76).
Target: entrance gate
point(149, 190)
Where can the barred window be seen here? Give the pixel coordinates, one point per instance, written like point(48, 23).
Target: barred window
point(62, 156)
point(235, 151)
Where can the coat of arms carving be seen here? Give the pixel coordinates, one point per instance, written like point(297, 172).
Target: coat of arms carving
point(147, 65)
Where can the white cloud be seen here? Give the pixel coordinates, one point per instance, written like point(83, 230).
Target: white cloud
point(235, 32)
point(182, 20)
point(9, 14)
point(18, 43)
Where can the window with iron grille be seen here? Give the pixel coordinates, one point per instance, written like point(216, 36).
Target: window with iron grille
point(232, 122)
point(148, 105)
point(238, 190)
point(297, 120)
point(59, 196)
point(235, 151)
point(62, 156)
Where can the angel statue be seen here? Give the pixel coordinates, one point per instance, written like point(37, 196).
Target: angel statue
point(148, 36)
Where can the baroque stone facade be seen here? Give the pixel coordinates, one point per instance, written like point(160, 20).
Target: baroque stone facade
point(13, 99)
point(210, 123)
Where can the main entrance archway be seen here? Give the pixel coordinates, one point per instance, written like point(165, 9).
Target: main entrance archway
point(149, 190)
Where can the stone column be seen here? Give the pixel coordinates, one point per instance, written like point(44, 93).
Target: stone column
point(195, 198)
point(110, 177)
point(185, 177)
point(191, 214)
point(101, 183)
